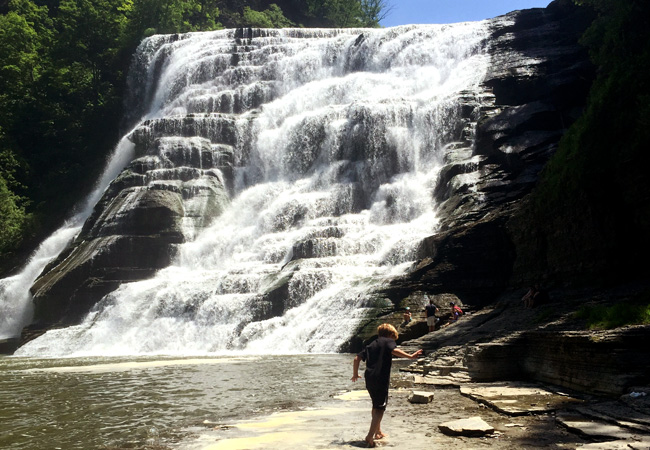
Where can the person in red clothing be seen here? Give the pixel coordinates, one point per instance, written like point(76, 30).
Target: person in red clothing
point(378, 357)
point(456, 312)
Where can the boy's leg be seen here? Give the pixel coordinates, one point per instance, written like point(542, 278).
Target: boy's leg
point(375, 426)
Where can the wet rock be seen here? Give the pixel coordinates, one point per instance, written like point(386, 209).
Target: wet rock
point(164, 197)
point(530, 98)
point(8, 346)
point(472, 427)
point(421, 397)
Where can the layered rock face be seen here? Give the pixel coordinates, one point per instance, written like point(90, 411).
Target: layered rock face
point(536, 87)
point(604, 363)
point(171, 189)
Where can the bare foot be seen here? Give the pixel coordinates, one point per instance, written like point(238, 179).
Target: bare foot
point(370, 443)
point(380, 435)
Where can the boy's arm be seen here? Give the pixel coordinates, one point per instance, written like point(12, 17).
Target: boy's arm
point(355, 368)
point(402, 354)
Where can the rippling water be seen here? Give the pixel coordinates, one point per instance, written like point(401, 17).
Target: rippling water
point(111, 403)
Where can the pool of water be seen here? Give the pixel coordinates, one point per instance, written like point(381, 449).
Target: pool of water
point(115, 403)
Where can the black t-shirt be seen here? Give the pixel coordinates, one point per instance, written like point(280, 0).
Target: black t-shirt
point(379, 359)
point(431, 310)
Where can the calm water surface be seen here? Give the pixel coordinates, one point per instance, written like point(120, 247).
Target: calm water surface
point(111, 403)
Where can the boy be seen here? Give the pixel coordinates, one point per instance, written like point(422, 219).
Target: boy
point(378, 357)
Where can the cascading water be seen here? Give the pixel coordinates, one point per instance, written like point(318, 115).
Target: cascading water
point(337, 138)
point(15, 298)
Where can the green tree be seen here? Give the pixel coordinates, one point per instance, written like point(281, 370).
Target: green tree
point(13, 217)
point(599, 173)
point(270, 18)
point(373, 12)
point(25, 35)
point(337, 13)
point(88, 41)
point(171, 16)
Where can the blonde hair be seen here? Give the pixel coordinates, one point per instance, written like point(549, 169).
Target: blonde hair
point(387, 330)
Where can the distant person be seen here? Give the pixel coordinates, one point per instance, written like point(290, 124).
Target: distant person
point(407, 316)
point(456, 312)
point(430, 310)
point(535, 296)
point(527, 299)
point(378, 357)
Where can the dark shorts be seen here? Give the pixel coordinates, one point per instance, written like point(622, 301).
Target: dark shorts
point(378, 394)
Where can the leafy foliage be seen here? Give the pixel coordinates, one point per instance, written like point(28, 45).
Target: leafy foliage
point(600, 317)
point(599, 171)
point(346, 13)
point(270, 18)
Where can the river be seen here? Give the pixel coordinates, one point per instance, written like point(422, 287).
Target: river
point(157, 402)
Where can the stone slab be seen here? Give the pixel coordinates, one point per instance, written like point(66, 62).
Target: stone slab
point(595, 429)
point(516, 399)
point(421, 397)
point(642, 444)
point(619, 414)
point(609, 445)
point(452, 380)
point(472, 427)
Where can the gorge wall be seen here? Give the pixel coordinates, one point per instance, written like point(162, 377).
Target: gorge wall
point(538, 84)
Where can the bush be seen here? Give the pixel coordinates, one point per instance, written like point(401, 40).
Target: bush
point(600, 317)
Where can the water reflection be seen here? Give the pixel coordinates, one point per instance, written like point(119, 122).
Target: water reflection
point(148, 403)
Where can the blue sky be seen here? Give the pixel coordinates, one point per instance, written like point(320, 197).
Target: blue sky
point(449, 11)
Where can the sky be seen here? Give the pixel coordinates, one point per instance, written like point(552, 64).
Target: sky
point(450, 11)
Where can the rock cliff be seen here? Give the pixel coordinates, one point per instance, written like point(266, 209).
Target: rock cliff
point(136, 226)
point(536, 88)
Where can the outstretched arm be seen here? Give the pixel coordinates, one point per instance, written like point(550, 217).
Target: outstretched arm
point(355, 368)
point(402, 354)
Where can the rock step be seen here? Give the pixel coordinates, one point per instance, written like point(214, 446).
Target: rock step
point(596, 429)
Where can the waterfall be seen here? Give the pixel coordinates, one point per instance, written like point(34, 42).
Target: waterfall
point(336, 137)
point(15, 298)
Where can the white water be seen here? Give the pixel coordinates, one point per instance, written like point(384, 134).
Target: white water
point(342, 123)
point(15, 299)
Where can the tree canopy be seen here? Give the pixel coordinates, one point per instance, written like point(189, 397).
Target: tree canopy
point(599, 172)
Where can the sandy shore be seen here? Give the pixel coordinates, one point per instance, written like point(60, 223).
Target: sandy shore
point(343, 422)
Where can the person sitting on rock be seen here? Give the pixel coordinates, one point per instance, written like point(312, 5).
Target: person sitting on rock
point(407, 316)
point(456, 312)
point(535, 296)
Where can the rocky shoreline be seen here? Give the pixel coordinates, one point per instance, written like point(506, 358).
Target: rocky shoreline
point(542, 363)
point(457, 414)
